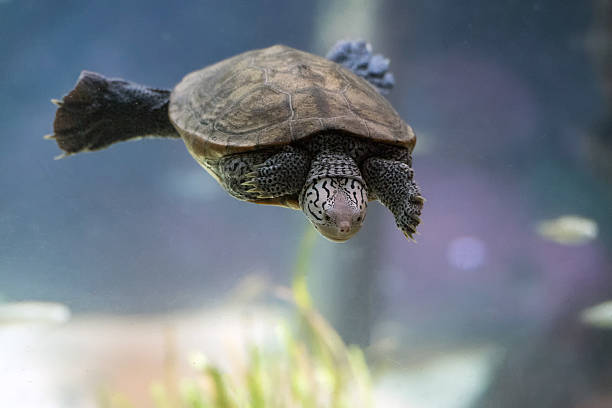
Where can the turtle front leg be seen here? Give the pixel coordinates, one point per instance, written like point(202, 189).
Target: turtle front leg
point(261, 175)
point(283, 173)
point(391, 182)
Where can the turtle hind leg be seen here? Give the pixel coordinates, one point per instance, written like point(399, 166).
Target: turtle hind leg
point(357, 56)
point(100, 111)
point(391, 182)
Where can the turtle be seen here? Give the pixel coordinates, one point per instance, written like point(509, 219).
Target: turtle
point(274, 126)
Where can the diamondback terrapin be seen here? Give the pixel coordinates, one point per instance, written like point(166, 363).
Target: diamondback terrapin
point(273, 126)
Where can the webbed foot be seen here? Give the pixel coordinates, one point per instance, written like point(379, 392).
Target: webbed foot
point(258, 182)
point(282, 174)
point(407, 217)
point(391, 181)
point(357, 56)
point(100, 111)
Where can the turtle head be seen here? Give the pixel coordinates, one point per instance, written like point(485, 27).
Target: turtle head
point(336, 206)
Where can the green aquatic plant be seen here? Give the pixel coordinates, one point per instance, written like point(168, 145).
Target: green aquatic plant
point(307, 365)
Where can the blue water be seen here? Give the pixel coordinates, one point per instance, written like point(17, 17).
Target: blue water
point(507, 98)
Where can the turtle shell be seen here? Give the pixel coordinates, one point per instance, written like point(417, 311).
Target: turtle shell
point(276, 96)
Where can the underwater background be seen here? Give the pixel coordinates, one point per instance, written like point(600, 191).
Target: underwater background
point(511, 102)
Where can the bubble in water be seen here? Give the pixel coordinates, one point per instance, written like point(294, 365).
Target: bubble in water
point(466, 252)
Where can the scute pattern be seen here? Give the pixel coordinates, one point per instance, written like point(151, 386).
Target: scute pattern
point(276, 96)
point(252, 112)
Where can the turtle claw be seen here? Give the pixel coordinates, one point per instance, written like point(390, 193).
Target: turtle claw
point(50, 136)
point(259, 193)
point(57, 102)
point(252, 182)
point(408, 221)
point(62, 156)
point(420, 199)
point(409, 229)
point(249, 183)
point(409, 236)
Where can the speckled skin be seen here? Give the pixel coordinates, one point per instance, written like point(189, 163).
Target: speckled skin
point(274, 126)
point(384, 170)
point(391, 181)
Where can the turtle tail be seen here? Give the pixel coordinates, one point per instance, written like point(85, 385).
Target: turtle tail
point(100, 111)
